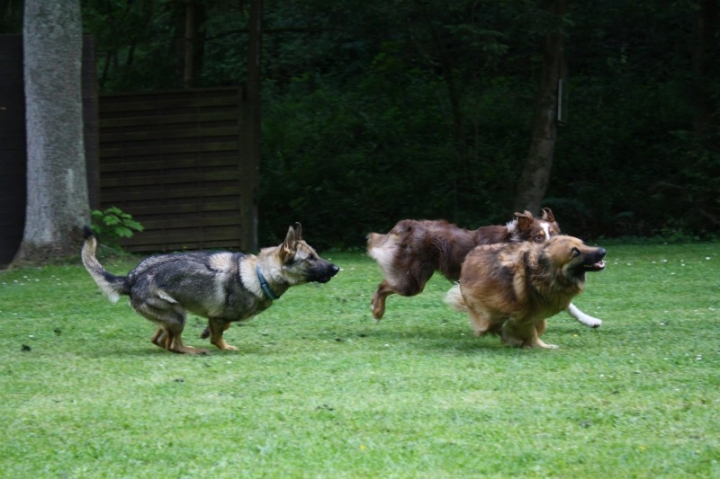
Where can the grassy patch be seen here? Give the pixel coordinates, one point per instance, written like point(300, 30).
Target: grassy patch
point(319, 390)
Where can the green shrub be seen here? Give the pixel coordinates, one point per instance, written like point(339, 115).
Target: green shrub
point(113, 224)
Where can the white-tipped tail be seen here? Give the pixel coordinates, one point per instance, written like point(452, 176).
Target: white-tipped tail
point(586, 319)
point(455, 300)
point(110, 285)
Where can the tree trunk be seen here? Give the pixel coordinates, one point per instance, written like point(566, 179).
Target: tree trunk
point(538, 165)
point(704, 66)
point(194, 43)
point(250, 128)
point(188, 64)
point(57, 195)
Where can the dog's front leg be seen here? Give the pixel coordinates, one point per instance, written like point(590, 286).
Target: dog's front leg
point(583, 318)
point(217, 328)
point(523, 332)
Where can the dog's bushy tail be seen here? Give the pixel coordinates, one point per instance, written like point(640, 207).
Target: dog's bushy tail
point(112, 286)
point(455, 300)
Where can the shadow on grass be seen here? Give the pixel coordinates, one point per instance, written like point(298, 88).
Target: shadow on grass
point(457, 337)
point(116, 350)
point(427, 336)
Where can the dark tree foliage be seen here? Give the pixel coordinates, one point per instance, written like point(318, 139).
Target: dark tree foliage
point(376, 111)
point(11, 16)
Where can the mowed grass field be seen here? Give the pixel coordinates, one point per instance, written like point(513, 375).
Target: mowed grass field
point(319, 390)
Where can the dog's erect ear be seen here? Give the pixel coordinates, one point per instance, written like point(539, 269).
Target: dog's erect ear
point(548, 215)
point(289, 246)
point(298, 231)
point(524, 220)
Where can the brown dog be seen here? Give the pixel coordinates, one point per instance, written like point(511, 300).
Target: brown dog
point(511, 289)
point(413, 250)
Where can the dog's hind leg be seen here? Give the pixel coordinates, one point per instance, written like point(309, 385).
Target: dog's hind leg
point(175, 343)
point(159, 338)
point(217, 328)
point(480, 321)
point(170, 321)
point(162, 338)
point(583, 318)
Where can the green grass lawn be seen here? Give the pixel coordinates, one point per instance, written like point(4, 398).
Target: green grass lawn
point(318, 390)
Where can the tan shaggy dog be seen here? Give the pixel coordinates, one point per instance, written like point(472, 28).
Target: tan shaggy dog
point(411, 252)
point(511, 289)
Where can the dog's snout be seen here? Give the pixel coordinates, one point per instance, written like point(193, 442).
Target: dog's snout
point(323, 273)
point(601, 253)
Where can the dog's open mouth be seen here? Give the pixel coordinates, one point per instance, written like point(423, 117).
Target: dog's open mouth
point(599, 266)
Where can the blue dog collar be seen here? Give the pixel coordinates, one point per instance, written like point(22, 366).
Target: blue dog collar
point(264, 284)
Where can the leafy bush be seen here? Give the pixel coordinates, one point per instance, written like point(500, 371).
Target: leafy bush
point(113, 224)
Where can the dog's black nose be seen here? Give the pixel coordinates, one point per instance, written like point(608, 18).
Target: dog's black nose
point(323, 275)
point(601, 252)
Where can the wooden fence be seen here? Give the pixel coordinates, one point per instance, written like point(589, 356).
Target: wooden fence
point(172, 161)
point(183, 163)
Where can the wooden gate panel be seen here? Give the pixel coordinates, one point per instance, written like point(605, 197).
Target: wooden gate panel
point(171, 160)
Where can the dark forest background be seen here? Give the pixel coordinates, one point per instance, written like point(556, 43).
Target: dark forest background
point(380, 110)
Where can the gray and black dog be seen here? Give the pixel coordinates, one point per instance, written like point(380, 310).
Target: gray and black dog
point(222, 286)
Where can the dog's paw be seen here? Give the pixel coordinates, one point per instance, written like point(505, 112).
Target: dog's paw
point(539, 343)
point(541, 346)
point(223, 346)
point(191, 350)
